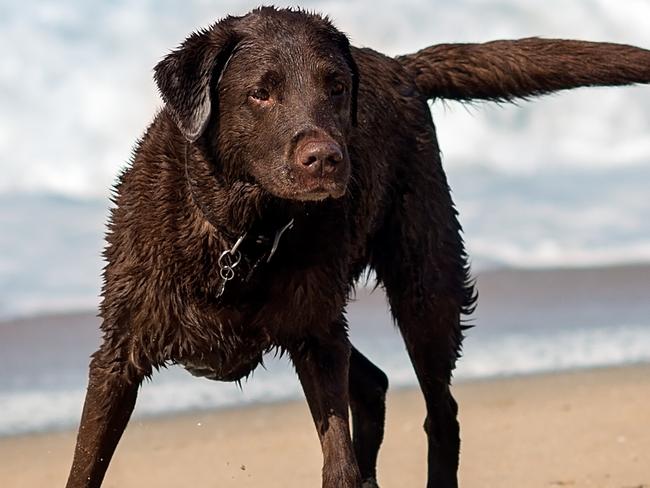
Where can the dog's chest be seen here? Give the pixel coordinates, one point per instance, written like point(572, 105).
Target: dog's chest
point(223, 349)
point(271, 303)
point(229, 344)
point(217, 367)
point(303, 286)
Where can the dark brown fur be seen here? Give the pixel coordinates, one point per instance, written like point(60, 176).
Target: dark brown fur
point(251, 103)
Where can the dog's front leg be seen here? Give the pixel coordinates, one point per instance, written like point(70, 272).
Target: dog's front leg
point(112, 390)
point(322, 365)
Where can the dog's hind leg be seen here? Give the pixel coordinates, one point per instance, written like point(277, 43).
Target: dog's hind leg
point(368, 386)
point(428, 318)
point(429, 337)
point(113, 385)
point(419, 258)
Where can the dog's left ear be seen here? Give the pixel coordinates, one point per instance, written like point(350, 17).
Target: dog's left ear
point(184, 77)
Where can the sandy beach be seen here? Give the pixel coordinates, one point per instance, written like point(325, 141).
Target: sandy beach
point(576, 429)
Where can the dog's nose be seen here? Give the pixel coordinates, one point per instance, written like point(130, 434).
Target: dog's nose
point(320, 158)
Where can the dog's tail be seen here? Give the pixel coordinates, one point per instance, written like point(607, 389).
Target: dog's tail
point(502, 71)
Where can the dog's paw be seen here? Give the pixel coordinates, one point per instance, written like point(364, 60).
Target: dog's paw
point(369, 483)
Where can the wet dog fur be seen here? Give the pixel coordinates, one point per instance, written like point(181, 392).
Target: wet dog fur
point(321, 161)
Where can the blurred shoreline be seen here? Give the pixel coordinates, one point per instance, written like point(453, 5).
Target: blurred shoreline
point(527, 322)
point(499, 286)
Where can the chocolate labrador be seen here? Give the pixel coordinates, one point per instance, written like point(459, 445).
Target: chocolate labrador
point(283, 165)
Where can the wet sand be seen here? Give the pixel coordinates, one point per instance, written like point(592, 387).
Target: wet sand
point(578, 429)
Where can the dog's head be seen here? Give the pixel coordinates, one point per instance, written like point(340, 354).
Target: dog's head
point(274, 93)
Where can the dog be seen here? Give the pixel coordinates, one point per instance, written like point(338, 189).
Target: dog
point(283, 165)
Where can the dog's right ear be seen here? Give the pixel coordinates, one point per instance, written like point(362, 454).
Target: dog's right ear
point(184, 77)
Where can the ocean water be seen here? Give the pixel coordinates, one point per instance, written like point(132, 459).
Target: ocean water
point(46, 390)
point(560, 182)
point(78, 78)
point(50, 245)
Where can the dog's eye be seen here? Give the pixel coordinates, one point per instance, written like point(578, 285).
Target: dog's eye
point(260, 94)
point(337, 89)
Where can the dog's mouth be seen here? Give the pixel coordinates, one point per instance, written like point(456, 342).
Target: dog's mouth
point(289, 181)
point(305, 189)
point(320, 189)
point(290, 184)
